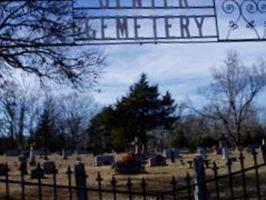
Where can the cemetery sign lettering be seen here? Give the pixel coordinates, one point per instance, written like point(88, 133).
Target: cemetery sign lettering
point(102, 22)
point(185, 21)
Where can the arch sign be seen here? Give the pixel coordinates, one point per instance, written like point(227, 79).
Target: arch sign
point(170, 21)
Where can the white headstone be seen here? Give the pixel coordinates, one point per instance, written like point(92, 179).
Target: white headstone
point(136, 145)
point(32, 160)
point(225, 152)
point(64, 154)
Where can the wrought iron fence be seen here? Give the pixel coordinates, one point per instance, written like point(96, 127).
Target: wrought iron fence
point(245, 183)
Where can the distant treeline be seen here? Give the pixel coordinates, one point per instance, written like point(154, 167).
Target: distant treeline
point(227, 108)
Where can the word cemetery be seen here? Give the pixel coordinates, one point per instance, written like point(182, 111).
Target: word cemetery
point(169, 21)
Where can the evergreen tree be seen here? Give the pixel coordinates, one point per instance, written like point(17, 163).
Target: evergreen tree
point(99, 131)
point(178, 138)
point(46, 135)
point(143, 109)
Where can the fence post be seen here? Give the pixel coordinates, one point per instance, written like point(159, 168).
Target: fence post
point(69, 176)
point(81, 183)
point(23, 172)
point(113, 183)
point(201, 192)
point(7, 181)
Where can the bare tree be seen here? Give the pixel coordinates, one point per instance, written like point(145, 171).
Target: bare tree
point(8, 108)
point(18, 108)
point(76, 112)
point(38, 37)
point(231, 95)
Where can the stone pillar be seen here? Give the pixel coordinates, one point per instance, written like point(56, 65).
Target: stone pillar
point(201, 192)
point(225, 152)
point(223, 145)
point(136, 146)
point(263, 151)
point(81, 183)
point(32, 160)
point(64, 154)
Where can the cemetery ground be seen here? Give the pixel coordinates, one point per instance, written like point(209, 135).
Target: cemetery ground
point(157, 178)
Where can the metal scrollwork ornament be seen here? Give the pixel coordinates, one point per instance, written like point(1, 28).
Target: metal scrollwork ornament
point(249, 12)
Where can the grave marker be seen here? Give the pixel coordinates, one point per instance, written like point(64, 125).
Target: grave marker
point(22, 158)
point(49, 167)
point(171, 152)
point(12, 153)
point(32, 160)
point(104, 160)
point(200, 192)
point(224, 147)
point(3, 169)
point(201, 152)
point(37, 173)
point(81, 183)
point(64, 154)
point(157, 160)
point(263, 151)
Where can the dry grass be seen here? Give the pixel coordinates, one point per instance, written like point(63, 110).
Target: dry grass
point(158, 178)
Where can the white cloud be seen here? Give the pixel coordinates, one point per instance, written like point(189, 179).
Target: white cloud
point(180, 68)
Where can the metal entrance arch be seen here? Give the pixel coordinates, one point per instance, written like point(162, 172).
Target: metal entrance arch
point(170, 21)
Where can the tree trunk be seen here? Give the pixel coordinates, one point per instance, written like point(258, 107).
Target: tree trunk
point(21, 128)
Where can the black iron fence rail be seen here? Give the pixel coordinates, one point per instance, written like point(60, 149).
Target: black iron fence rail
point(131, 189)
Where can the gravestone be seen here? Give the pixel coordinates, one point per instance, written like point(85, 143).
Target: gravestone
point(22, 158)
point(2, 169)
point(225, 152)
point(201, 192)
point(201, 152)
point(49, 167)
point(157, 160)
point(64, 154)
point(129, 164)
point(136, 144)
point(255, 147)
point(171, 152)
point(263, 151)
point(32, 160)
point(23, 168)
point(12, 153)
point(81, 183)
point(37, 173)
point(104, 160)
point(224, 147)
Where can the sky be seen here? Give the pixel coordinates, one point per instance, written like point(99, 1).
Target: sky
point(178, 68)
